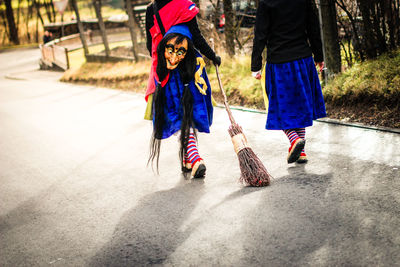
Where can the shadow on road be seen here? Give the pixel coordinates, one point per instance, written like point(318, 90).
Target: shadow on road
point(333, 219)
point(150, 232)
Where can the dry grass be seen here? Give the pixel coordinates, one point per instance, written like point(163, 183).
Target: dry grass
point(368, 92)
point(240, 87)
point(124, 75)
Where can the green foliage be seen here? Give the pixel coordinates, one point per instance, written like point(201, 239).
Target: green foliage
point(373, 79)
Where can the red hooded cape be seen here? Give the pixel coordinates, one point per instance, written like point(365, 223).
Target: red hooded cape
point(173, 13)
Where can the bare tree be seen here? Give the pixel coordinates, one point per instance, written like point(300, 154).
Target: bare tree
point(229, 27)
point(80, 27)
point(28, 18)
point(97, 8)
point(12, 29)
point(350, 26)
point(18, 14)
point(6, 35)
point(132, 29)
point(37, 7)
point(50, 11)
point(330, 36)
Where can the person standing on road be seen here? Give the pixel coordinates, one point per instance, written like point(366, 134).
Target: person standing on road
point(47, 37)
point(290, 31)
point(178, 80)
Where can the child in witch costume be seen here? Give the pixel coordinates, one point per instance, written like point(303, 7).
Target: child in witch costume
point(290, 31)
point(161, 15)
point(182, 101)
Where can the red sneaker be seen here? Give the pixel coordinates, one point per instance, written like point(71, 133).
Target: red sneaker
point(295, 150)
point(302, 158)
point(199, 169)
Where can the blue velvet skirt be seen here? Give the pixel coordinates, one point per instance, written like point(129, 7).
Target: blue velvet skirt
point(294, 94)
point(202, 105)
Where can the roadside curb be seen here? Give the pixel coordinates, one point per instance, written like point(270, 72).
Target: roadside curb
point(360, 125)
point(11, 77)
point(32, 75)
point(326, 120)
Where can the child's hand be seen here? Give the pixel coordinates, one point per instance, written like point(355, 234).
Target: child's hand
point(320, 65)
point(256, 74)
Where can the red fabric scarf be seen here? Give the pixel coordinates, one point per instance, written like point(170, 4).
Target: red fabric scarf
point(173, 13)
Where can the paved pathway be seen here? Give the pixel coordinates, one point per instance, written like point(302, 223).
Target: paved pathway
point(75, 189)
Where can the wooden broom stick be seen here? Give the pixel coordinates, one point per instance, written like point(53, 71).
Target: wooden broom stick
point(253, 172)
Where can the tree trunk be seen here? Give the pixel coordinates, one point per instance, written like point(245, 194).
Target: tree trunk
point(132, 29)
point(37, 6)
point(18, 14)
point(53, 10)
point(375, 25)
point(229, 27)
point(379, 22)
point(390, 17)
point(355, 36)
point(370, 41)
point(396, 24)
point(97, 8)
point(27, 19)
point(330, 36)
point(80, 27)
point(37, 29)
point(11, 23)
point(48, 13)
point(4, 21)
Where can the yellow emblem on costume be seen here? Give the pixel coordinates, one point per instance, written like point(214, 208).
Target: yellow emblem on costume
point(199, 81)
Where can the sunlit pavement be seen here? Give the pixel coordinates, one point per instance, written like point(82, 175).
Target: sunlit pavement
point(75, 189)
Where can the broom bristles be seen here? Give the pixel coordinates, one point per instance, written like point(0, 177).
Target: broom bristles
point(253, 172)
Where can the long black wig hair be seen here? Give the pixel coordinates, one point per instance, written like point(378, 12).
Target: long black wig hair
point(187, 68)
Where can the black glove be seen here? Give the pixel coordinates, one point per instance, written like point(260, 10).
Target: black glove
point(217, 60)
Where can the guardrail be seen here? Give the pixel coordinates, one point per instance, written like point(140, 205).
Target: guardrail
point(54, 56)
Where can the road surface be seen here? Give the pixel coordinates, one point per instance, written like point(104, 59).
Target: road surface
point(75, 189)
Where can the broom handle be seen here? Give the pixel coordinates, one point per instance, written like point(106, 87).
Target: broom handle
point(228, 109)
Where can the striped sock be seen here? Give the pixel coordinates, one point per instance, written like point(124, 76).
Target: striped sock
point(192, 153)
point(185, 160)
point(301, 132)
point(291, 135)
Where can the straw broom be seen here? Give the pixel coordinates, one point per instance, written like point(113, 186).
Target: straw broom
point(253, 172)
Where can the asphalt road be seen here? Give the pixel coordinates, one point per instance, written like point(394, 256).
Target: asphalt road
point(75, 189)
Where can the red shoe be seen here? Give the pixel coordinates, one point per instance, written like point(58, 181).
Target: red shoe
point(302, 158)
point(199, 169)
point(295, 150)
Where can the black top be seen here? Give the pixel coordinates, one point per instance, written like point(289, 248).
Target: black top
point(197, 38)
point(289, 29)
